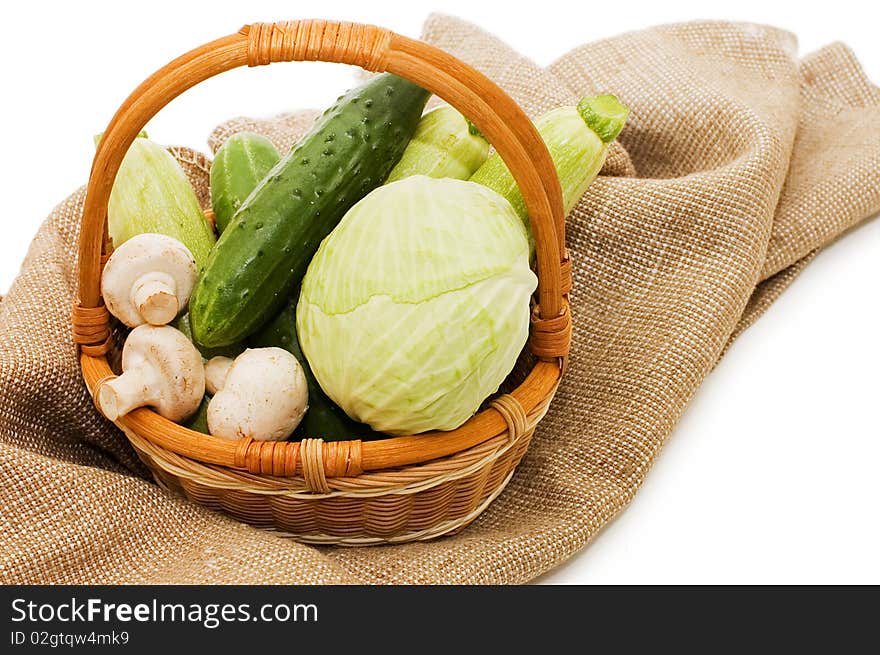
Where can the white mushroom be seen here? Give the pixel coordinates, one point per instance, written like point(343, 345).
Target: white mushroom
point(148, 279)
point(216, 371)
point(264, 397)
point(162, 369)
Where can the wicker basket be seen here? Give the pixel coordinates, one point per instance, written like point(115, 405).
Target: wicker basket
point(350, 492)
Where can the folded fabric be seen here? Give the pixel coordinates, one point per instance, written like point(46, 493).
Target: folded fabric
point(739, 162)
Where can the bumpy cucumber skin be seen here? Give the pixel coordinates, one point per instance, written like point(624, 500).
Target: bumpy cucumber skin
point(151, 193)
point(324, 419)
point(263, 254)
point(238, 167)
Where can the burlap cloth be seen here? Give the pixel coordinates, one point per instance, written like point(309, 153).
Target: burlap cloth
point(739, 162)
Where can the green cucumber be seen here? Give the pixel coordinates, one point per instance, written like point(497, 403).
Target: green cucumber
point(238, 167)
point(263, 254)
point(182, 323)
point(151, 193)
point(577, 138)
point(324, 418)
point(199, 420)
point(445, 144)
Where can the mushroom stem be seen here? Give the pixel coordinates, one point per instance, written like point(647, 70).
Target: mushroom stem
point(148, 280)
point(155, 296)
point(216, 371)
point(134, 388)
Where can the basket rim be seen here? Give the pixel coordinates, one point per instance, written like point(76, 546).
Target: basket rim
point(376, 49)
point(404, 480)
point(532, 395)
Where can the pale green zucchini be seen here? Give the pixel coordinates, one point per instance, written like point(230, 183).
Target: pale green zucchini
point(577, 138)
point(445, 144)
point(151, 193)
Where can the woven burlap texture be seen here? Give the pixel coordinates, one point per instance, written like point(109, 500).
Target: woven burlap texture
point(738, 163)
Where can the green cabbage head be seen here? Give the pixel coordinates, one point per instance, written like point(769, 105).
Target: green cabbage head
point(415, 308)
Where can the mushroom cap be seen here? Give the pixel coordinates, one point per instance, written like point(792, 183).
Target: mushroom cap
point(168, 369)
point(146, 262)
point(264, 397)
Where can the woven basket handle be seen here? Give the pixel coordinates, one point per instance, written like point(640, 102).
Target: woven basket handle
point(375, 49)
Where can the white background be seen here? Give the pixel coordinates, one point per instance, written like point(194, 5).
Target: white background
point(770, 477)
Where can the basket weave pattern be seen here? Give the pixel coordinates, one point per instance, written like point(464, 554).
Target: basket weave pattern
point(349, 492)
point(394, 506)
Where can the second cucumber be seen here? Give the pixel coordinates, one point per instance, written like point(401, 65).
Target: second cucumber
point(241, 163)
point(264, 251)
